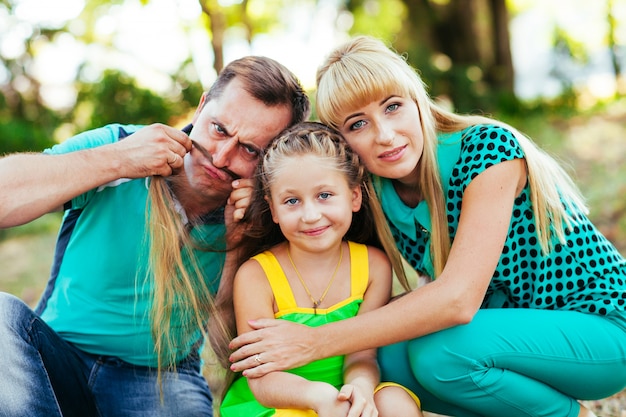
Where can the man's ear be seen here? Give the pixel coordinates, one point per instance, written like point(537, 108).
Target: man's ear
point(203, 102)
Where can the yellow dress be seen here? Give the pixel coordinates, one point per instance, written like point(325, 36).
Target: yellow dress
point(239, 400)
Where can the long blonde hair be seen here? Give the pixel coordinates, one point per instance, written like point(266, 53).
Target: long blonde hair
point(364, 69)
point(178, 282)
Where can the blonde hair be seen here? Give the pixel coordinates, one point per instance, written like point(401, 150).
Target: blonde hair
point(364, 69)
point(178, 283)
point(368, 226)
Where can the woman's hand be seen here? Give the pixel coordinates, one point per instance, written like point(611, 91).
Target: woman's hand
point(274, 345)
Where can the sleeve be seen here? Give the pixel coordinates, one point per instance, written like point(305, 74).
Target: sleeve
point(92, 139)
point(87, 140)
point(484, 146)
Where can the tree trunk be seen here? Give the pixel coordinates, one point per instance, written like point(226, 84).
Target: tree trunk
point(217, 28)
point(502, 74)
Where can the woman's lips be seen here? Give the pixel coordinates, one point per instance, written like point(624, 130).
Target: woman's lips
point(394, 154)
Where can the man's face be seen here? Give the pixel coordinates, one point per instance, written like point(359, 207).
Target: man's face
point(234, 128)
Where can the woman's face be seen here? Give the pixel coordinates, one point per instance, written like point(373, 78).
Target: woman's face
point(387, 135)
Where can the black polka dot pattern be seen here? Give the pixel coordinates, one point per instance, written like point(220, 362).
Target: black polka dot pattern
point(586, 273)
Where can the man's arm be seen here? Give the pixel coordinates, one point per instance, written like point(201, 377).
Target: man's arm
point(32, 185)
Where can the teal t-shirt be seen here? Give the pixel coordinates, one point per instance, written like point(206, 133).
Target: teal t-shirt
point(98, 297)
point(586, 273)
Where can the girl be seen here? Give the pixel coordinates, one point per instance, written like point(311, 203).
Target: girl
point(310, 207)
point(526, 313)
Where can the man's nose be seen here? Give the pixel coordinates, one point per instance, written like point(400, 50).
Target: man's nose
point(224, 152)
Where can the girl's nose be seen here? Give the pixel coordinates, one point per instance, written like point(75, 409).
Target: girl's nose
point(311, 214)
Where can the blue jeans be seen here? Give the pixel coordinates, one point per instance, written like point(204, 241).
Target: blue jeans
point(512, 362)
point(43, 375)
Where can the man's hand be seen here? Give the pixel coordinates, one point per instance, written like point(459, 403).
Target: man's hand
point(153, 150)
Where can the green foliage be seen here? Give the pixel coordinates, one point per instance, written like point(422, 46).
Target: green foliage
point(117, 98)
point(26, 126)
point(382, 19)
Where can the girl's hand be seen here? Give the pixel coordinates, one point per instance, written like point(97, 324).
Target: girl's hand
point(275, 345)
point(328, 403)
point(361, 405)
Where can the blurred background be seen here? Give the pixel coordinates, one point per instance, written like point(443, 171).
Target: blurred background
point(552, 68)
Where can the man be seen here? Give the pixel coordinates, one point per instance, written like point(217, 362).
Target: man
point(118, 330)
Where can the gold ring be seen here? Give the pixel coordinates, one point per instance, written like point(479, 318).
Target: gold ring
point(257, 358)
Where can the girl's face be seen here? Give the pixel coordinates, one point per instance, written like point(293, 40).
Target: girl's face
point(312, 203)
point(387, 135)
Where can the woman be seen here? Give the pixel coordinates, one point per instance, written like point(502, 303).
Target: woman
point(526, 311)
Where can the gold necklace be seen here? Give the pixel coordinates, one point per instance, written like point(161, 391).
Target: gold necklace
point(318, 302)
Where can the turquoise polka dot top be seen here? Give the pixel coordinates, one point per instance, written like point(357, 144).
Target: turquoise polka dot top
point(586, 273)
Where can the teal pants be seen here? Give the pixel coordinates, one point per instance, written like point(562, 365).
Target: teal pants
point(512, 362)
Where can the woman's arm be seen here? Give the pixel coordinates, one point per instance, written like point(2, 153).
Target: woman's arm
point(452, 299)
point(33, 184)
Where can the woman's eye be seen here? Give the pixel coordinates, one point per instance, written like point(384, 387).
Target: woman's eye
point(357, 125)
point(392, 107)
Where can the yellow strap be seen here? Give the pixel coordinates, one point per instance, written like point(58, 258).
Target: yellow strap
point(277, 279)
point(359, 271)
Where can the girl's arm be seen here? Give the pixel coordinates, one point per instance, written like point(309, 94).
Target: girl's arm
point(253, 297)
point(452, 299)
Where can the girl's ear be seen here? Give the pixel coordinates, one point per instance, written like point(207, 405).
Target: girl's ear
point(269, 202)
point(357, 198)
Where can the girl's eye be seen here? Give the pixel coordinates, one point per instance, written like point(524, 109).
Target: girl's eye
point(357, 125)
point(291, 201)
point(325, 196)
